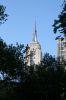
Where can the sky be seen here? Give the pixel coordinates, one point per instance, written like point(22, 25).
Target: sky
point(21, 21)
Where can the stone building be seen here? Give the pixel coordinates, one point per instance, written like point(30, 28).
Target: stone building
point(34, 51)
point(61, 48)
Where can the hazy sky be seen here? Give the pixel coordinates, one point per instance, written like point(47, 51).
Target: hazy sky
point(20, 24)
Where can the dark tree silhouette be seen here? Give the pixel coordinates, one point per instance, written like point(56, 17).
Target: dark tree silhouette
point(3, 15)
point(12, 60)
point(60, 23)
point(43, 83)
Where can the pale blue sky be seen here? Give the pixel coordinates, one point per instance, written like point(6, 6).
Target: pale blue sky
point(21, 20)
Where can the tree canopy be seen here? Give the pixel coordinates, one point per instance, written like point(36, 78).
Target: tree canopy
point(3, 15)
point(46, 82)
point(60, 23)
point(11, 60)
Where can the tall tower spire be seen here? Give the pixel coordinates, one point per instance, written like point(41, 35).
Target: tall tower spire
point(35, 33)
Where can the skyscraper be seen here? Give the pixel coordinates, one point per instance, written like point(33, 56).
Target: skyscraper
point(34, 50)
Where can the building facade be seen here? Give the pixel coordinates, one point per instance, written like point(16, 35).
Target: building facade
point(34, 51)
point(61, 48)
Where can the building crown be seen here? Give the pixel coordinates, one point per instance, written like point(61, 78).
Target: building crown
point(34, 39)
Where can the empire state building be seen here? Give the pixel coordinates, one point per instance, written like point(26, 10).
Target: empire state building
point(34, 50)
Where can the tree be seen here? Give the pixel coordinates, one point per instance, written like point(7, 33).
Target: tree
point(3, 15)
point(12, 68)
point(12, 60)
point(41, 84)
point(60, 23)
point(49, 62)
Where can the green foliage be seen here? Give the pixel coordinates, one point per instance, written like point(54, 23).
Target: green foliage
point(3, 15)
point(49, 61)
point(60, 23)
point(46, 81)
point(11, 60)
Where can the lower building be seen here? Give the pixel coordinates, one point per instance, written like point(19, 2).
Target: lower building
point(61, 48)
